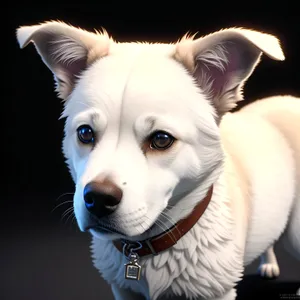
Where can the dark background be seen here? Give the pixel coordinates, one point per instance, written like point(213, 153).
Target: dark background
point(43, 256)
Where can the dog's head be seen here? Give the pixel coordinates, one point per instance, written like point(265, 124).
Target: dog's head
point(141, 133)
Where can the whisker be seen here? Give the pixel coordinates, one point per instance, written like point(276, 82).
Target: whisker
point(170, 219)
point(166, 216)
point(160, 225)
point(63, 195)
point(148, 224)
point(70, 215)
point(170, 233)
point(141, 224)
point(67, 212)
point(57, 206)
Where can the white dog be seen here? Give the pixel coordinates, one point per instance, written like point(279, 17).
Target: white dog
point(178, 193)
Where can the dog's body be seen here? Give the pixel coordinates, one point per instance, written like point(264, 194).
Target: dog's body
point(260, 200)
point(127, 92)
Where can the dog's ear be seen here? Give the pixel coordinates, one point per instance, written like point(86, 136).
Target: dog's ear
point(221, 62)
point(66, 50)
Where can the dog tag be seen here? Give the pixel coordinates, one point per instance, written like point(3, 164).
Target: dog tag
point(132, 268)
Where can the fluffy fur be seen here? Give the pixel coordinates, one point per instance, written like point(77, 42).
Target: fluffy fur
point(126, 91)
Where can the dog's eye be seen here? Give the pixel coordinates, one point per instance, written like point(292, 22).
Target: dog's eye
point(85, 134)
point(161, 140)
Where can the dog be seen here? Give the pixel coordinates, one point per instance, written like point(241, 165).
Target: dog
point(178, 192)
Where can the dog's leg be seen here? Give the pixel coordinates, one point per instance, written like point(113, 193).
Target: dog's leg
point(268, 264)
point(125, 294)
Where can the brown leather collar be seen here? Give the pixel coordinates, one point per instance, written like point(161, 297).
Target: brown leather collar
point(168, 238)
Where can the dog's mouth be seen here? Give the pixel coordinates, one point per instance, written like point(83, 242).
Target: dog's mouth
point(110, 231)
point(103, 229)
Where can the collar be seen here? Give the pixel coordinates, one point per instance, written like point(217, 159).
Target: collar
point(166, 239)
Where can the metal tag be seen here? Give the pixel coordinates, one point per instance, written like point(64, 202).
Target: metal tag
point(132, 268)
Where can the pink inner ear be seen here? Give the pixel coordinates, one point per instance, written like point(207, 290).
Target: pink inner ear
point(240, 60)
point(222, 77)
point(66, 70)
point(70, 68)
point(74, 68)
point(66, 74)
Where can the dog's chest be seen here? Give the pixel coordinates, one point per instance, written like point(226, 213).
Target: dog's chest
point(203, 263)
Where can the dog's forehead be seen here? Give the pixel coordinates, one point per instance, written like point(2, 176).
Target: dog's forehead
point(157, 84)
point(135, 82)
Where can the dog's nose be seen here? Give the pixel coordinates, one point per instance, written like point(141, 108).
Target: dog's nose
point(102, 197)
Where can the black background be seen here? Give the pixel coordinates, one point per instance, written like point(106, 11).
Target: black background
point(43, 256)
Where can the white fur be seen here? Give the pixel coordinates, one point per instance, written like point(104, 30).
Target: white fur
point(125, 92)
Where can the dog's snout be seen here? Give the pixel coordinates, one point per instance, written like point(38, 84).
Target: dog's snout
point(102, 197)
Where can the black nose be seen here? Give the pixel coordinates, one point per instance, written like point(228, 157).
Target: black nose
point(102, 197)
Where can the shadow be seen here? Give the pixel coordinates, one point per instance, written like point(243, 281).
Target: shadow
point(255, 287)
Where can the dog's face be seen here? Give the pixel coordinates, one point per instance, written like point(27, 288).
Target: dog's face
point(153, 138)
point(141, 129)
